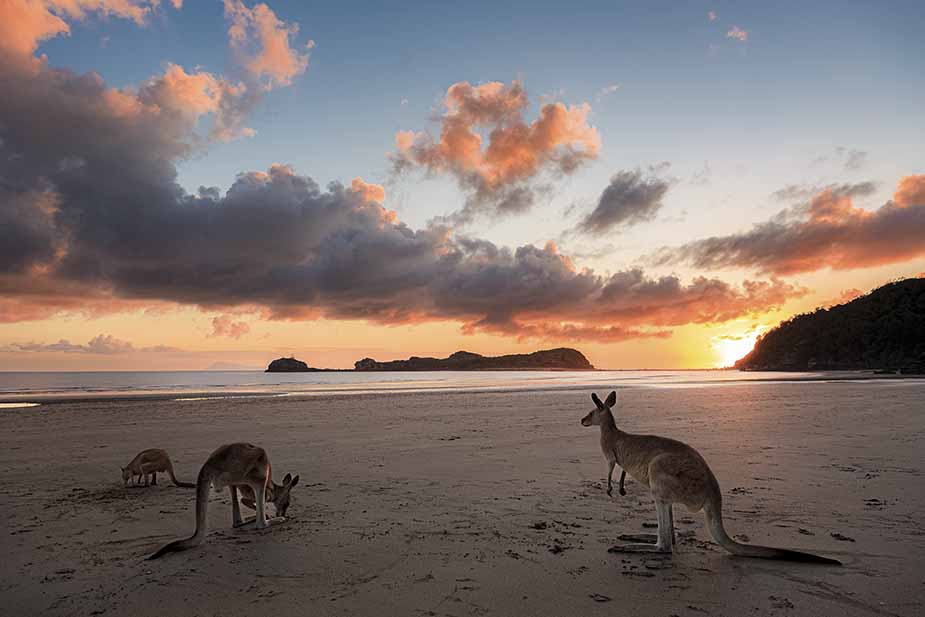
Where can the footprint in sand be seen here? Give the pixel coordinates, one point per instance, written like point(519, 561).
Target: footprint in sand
point(842, 537)
point(777, 602)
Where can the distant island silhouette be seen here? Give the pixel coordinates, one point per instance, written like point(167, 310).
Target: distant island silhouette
point(883, 331)
point(291, 365)
point(562, 358)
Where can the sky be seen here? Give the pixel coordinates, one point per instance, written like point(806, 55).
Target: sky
point(195, 185)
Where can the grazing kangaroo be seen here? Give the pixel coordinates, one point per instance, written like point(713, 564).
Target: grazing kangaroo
point(150, 462)
point(277, 494)
point(675, 473)
point(235, 465)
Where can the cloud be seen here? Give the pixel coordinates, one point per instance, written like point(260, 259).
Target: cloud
point(711, 15)
point(795, 192)
point(607, 90)
point(369, 192)
point(26, 23)
point(572, 305)
point(827, 232)
point(631, 197)
point(201, 93)
point(224, 325)
point(263, 43)
point(738, 34)
point(499, 177)
point(101, 344)
point(702, 176)
point(849, 159)
point(855, 160)
point(102, 224)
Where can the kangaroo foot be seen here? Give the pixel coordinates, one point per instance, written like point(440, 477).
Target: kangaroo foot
point(649, 538)
point(250, 520)
point(638, 548)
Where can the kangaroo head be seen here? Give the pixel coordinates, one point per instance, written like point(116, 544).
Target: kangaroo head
point(601, 410)
point(126, 475)
point(280, 494)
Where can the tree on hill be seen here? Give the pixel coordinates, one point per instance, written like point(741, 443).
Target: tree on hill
point(884, 329)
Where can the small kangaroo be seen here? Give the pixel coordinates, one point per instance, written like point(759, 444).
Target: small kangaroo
point(235, 465)
point(150, 462)
point(675, 473)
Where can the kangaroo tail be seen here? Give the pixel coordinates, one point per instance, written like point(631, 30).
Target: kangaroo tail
point(173, 478)
point(203, 484)
point(713, 510)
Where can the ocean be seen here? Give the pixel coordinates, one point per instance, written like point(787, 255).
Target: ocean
point(29, 388)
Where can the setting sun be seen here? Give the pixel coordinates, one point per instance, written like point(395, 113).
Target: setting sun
point(730, 348)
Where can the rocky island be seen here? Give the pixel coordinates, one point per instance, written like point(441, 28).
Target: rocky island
point(289, 365)
point(883, 331)
point(562, 358)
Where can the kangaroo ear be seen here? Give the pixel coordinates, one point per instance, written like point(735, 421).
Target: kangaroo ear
point(295, 481)
point(596, 400)
point(611, 399)
point(287, 479)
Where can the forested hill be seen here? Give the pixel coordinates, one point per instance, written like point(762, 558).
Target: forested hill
point(562, 358)
point(883, 330)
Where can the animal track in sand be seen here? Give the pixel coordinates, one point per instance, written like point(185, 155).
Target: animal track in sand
point(840, 536)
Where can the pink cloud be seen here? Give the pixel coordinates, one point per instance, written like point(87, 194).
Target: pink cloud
point(264, 44)
point(193, 95)
point(369, 192)
point(559, 140)
point(26, 23)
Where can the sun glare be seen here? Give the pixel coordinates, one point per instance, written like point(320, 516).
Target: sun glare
point(732, 347)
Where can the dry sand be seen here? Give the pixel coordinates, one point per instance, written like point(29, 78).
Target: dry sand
point(470, 504)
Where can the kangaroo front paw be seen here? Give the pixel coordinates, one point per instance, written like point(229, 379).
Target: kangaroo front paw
point(270, 521)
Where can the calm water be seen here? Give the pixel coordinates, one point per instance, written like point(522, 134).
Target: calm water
point(22, 387)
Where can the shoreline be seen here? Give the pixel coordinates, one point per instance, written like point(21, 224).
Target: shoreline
point(180, 395)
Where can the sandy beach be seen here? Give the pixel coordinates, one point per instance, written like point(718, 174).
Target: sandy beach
point(470, 504)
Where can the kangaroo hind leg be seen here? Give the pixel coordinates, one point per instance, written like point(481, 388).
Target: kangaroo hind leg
point(236, 520)
point(665, 541)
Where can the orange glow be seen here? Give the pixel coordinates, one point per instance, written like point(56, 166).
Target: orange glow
point(730, 348)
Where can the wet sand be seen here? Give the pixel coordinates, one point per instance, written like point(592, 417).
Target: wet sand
point(470, 504)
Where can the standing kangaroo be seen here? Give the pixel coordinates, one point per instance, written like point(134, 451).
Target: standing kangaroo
point(150, 462)
point(675, 473)
point(235, 465)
